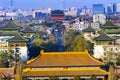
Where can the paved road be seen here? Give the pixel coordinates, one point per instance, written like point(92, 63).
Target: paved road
point(59, 38)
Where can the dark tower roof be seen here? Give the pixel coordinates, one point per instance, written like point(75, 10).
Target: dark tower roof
point(104, 37)
point(11, 26)
point(109, 24)
point(57, 12)
point(89, 29)
point(17, 38)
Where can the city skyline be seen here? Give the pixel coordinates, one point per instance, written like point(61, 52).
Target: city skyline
point(58, 4)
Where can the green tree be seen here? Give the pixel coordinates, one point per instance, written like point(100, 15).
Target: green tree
point(7, 58)
point(111, 57)
point(69, 37)
point(118, 60)
point(49, 47)
point(78, 44)
point(3, 59)
point(37, 42)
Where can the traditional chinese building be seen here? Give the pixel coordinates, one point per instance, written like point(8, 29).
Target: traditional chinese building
point(57, 16)
point(11, 38)
point(110, 28)
point(64, 65)
point(29, 32)
point(104, 44)
point(104, 39)
point(89, 31)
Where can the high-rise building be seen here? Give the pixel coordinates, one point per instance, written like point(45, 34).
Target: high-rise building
point(11, 4)
point(118, 7)
point(113, 8)
point(110, 8)
point(98, 9)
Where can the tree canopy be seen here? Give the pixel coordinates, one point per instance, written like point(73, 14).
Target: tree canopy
point(78, 44)
point(74, 41)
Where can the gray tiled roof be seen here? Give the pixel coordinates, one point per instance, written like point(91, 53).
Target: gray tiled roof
point(109, 24)
point(11, 26)
point(89, 29)
point(104, 37)
point(18, 38)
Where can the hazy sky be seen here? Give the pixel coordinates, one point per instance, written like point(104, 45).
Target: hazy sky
point(30, 4)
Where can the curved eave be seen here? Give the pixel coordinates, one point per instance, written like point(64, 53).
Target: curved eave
point(17, 41)
point(110, 27)
point(29, 31)
point(104, 40)
point(87, 31)
point(65, 72)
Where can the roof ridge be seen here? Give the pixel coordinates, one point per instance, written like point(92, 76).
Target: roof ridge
point(42, 52)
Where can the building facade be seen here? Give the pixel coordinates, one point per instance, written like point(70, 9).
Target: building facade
point(11, 38)
point(99, 18)
point(57, 16)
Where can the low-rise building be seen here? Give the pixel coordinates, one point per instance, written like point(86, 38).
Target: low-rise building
point(100, 18)
point(102, 41)
point(11, 38)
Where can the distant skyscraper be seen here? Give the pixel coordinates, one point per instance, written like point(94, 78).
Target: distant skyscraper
point(98, 9)
point(118, 7)
point(11, 4)
point(114, 8)
point(110, 8)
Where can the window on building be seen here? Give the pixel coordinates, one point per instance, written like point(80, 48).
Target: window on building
point(16, 44)
point(82, 79)
point(11, 44)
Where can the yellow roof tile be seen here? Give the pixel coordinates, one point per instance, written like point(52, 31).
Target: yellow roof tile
point(61, 59)
point(66, 72)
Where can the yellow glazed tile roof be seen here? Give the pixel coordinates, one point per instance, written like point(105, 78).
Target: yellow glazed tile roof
point(65, 72)
point(7, 72)
point(61, 59)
